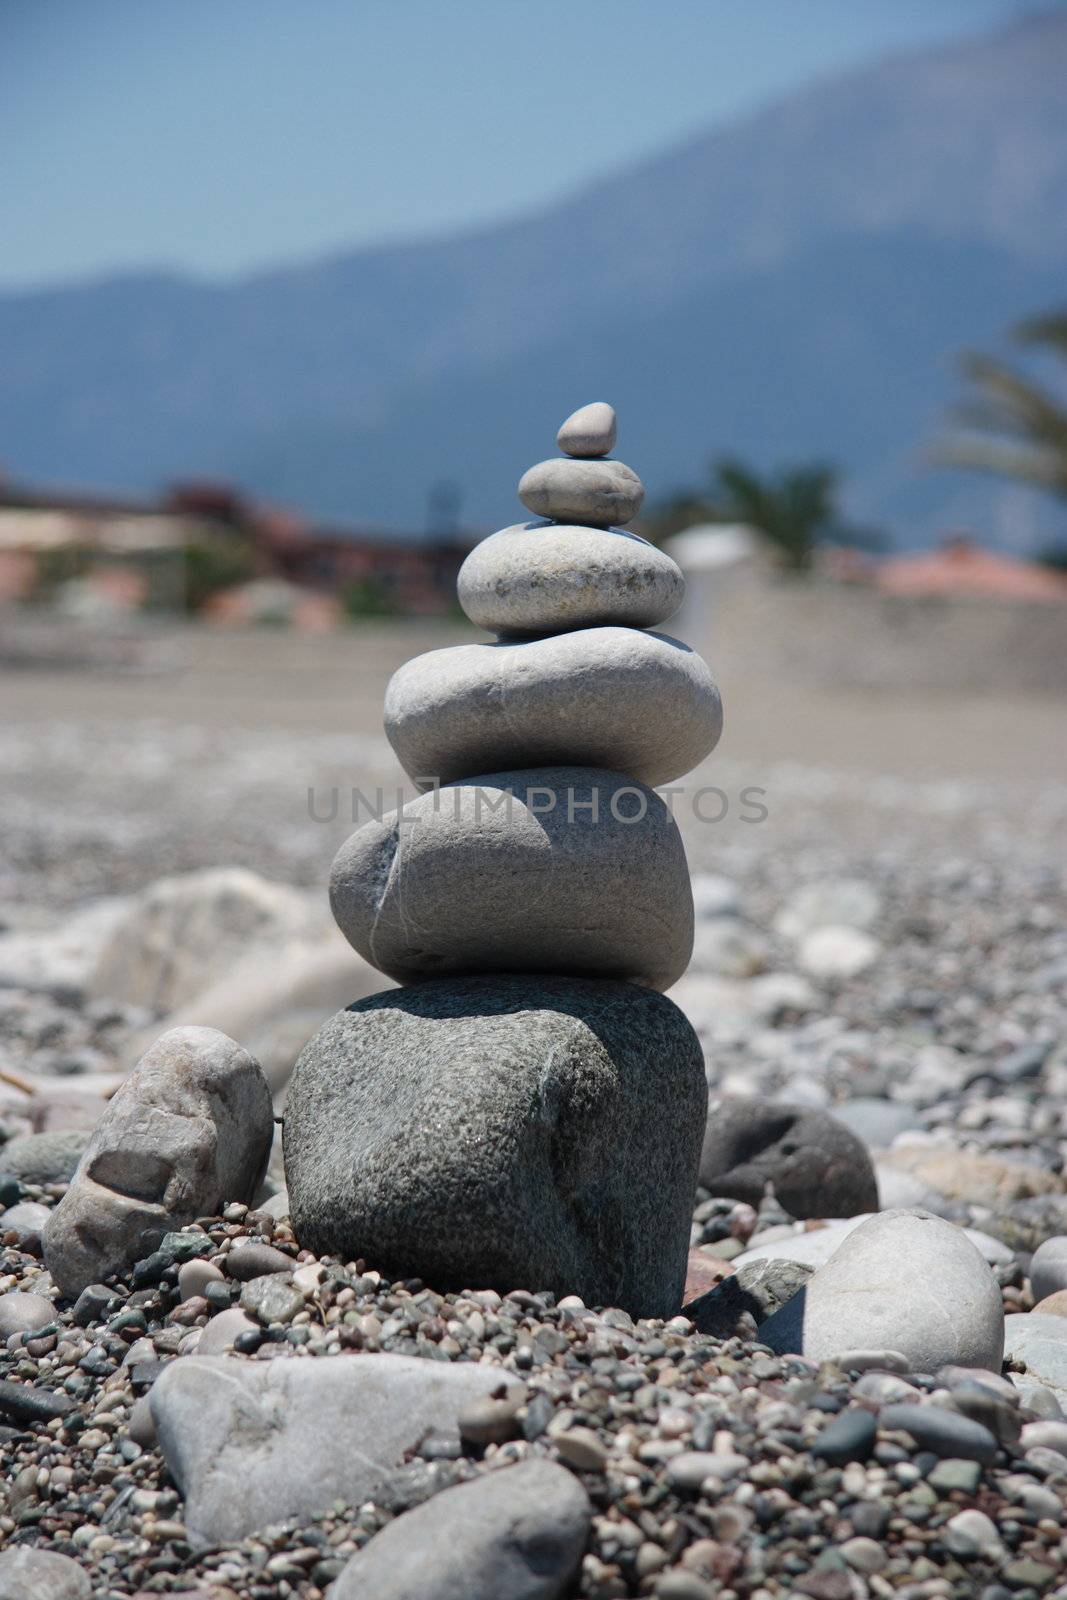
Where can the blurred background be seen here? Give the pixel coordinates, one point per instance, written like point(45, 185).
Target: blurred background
point(290, 297)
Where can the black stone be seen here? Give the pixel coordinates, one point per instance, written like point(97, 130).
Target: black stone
point(818, 1167)
point(26, 1403)
point(849, 1437)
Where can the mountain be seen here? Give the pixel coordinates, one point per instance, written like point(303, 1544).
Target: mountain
point(792, 286)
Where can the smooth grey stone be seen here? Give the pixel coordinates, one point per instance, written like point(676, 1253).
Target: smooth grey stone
point(22, 1312)
point(516, 872)
point(30, 1574)
point(1048, 1267)
point(251, 1443)
point(511, 1132)
point(590, 431)
point(27, 1218)
point(759, 1289)
point(817, 1167)
point(905, 1280)
point(815, 1247)
point(255, 1259)
point(223, 1329)
point(944, 1432)
point(1040, 1341)
point(44, 1157)
point(516, 1534)
point(194, 1277)
point(849, 1436)
point(877, 1122)
point(633, 702)
point(538, 577)
point(595, 494)
point(190, 1129)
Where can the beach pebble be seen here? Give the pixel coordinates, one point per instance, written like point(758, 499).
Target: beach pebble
point(191, 1127)
point(435, 890)
point(944, 1432)
point(30, 1574)
point(589, 431)
point(44, 1157)
point(905, 1280)
point(634, 702)
point(24, 1313)
point(517, 1534)
point(194, 1277)
point(251, 1443)
point(537, 578)
point(837, 953)
point(595, 1094)
point(595, 494)
point(816, 1166)
point(1048, 1267)
point(28, 1220)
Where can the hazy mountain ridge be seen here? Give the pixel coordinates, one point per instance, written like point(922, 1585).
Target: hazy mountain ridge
point(793, 285)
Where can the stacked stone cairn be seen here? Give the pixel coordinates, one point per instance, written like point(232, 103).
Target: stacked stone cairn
point(527, 1109)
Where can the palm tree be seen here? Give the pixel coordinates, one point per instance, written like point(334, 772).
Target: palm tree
point(1012, 425)
point(795, 508)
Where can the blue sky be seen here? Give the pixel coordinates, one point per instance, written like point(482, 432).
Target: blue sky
point(220, 136)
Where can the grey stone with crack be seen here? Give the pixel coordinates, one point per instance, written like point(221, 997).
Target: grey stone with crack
point(190, 1129)
point(634, 702)
point(516, 1534)
point(549, 869)
point(542, 577)
point(511, 1132)
point(818, 1167)
point(253, 1443)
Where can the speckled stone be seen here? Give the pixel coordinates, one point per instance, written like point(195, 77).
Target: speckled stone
point(503, 1133)
point(539, 577)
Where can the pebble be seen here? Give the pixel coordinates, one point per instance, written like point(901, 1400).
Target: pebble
point(27, 1220)
point(595, 859)
point(618, 698)
point(271, 1299)
point(587, 493)
point(837, 954)
point(24, 1313)
point(194, 1277)
point(29, 1574)
point(590, 431)
point(517, 1534)
point(44, 1157)
point(816, 1166)
point(942, 1431)
point(536, 578)
point(1048, 1268)
point(850, 1436)
point(908, 1280)
point(256, 1260)
point(190, 1127)
point(581, 1448)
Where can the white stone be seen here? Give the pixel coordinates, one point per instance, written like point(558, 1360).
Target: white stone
point(833, 902)
point(831, 953)
point(594, 494)
point(589, 431)
point(537, 578)
point(633, 702)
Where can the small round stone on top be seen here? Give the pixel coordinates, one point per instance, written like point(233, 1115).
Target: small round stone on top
point(590, 431)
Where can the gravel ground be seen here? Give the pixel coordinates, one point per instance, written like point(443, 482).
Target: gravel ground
point(957, 1017)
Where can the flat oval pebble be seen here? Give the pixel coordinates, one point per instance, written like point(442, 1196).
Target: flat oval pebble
point(538, 577)
point(589, 431)
point(944, 1432)
point(903, 1279)
point(592, 861)
point(598, 494)
point(633, 702)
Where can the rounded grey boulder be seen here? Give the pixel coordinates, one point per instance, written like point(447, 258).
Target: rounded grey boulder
point(510, 1132)
point(517, 1534)
point(589, 431)
point(904, 1280)
point(633, 702)
point(594, 493)
point(539, 577)
point(817, 1166)
point(555, 869)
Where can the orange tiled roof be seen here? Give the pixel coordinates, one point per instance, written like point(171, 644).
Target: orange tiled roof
point(963, 568)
